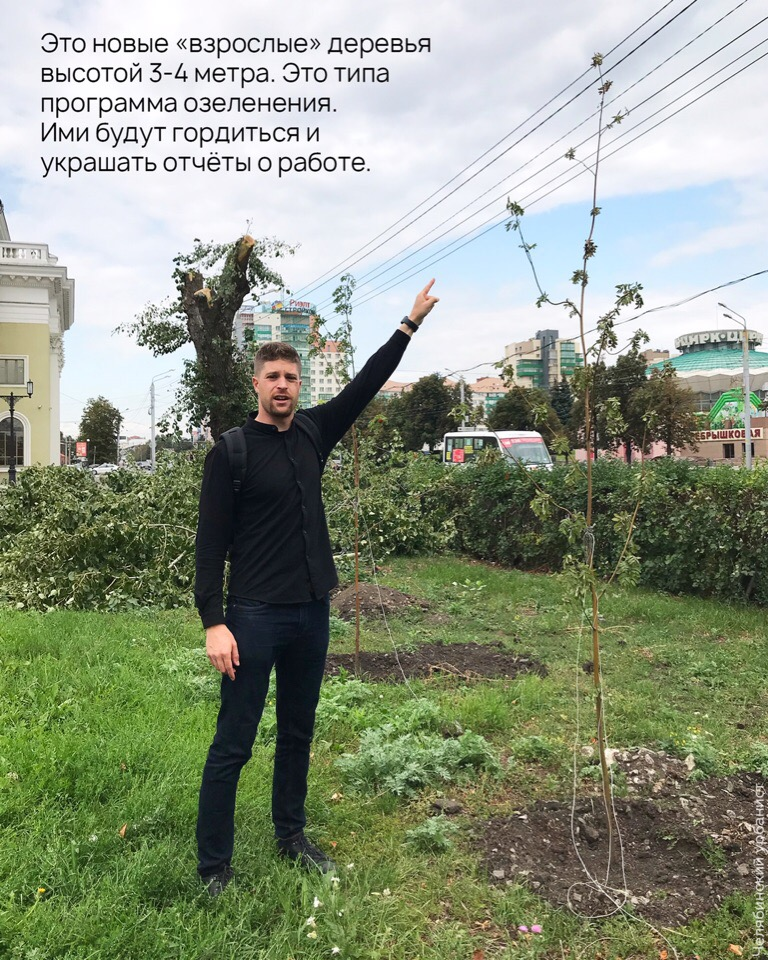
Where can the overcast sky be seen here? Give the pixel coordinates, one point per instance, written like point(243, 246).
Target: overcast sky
point(488, 113)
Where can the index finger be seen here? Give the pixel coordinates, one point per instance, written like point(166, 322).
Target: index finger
point(229, 667)
point(425, 291)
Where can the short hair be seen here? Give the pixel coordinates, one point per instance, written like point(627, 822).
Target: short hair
point(275, 351)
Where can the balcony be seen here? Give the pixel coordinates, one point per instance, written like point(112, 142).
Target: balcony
point(528, 368)
point(31, 253)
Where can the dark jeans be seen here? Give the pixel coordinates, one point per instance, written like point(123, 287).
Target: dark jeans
point(292, 637)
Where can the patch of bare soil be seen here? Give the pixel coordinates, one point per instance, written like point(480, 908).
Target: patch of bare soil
point(686, 844)
point(466, 660)
point(374, 600)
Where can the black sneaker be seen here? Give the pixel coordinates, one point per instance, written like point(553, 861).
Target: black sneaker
point(306, 854)
point(216, 882)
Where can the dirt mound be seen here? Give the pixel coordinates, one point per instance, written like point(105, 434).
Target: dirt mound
point(652, 772)
point(465, 660)
point(685, 848)
point(373, 600)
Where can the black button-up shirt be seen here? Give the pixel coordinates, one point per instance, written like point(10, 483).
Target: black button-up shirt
point(275, 530)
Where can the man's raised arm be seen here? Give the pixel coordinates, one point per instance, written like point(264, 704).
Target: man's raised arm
point(337, 415)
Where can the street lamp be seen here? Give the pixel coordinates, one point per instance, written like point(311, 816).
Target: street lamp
point(159, 376)
point(11, 399)
point(119, 422)
point(747, 401)
point(461, 390)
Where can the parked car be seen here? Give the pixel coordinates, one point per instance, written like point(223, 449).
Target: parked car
point(103, 468)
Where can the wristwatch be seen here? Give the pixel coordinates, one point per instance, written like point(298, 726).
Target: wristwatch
point(409, 323)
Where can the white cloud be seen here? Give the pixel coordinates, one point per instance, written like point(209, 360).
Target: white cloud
point(746, 231)
point(493, 65)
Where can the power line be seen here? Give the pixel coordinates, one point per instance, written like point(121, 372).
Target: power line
point(381, 271)
point(695, 296)
point(536, 353)
point(671, 116)
point(378, 271)
point(431, 260)
point(309, 288)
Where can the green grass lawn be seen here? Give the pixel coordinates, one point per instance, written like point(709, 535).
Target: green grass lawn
point(105, 720)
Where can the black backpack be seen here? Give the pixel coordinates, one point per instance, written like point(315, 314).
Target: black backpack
point(237, 451)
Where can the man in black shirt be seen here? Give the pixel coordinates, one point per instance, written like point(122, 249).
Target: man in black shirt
point(281, 569)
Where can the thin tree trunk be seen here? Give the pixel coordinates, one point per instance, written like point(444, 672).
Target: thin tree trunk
point(357, 550)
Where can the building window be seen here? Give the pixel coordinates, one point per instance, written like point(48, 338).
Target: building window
point(12, 371)
point(5, 441)
point(729, 451)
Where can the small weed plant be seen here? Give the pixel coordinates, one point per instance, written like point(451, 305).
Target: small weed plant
point(406, 763)
point(435, 835)
point(695, 743)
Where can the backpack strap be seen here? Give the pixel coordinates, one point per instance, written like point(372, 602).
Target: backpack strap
point(312, 431)
point(237, 454)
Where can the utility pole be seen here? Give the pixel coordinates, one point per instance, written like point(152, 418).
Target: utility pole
point(747, 392)
point(160, 376)
point(461, 391)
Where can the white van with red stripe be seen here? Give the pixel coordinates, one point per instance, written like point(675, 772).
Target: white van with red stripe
point(523, 446)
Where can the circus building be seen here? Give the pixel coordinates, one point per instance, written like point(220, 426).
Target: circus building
point(711, 365)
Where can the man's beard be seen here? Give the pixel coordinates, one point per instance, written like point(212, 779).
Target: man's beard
point(285, 411)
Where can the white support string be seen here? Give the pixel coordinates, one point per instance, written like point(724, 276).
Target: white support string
point(618, 897)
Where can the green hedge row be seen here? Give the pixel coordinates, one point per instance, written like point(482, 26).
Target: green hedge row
point(128, 539)
point(698, 530)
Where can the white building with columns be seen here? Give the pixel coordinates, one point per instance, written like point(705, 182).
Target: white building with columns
point(36, 309)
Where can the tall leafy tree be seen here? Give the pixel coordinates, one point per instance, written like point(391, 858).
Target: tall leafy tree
point(425, 412)
point(211, 283)
point(669, 408)
point(100, 426)
point(524, 408)
point(627, 426)
point(561, 398)
point(374, 419)
point(594, 379)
